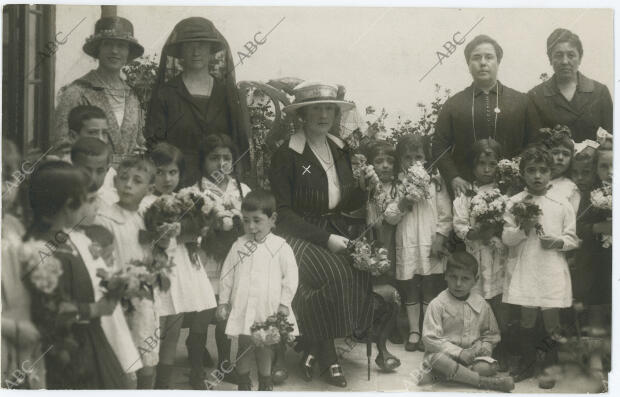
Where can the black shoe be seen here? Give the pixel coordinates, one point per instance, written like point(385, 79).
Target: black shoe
point(265, 383)
point(197, 381)
point(387, 363)
point(334, 376)
point(417, 346)
point(307, 367)
point(244, 382)
point(396, 338)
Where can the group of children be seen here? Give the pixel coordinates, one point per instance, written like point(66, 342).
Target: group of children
point(101, 209)
point(502, 276)
point(544, 266)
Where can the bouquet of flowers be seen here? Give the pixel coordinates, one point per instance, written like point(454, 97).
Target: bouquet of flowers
point(527, 212)
point(487, 210)
point(362, 171)
point(219, 210)
point(161, 218)
point(43, 269)
point(272, 331)
point(368, 258)
point(133, 281)
point(508, 177)
point(601, 200)
point(415, 183)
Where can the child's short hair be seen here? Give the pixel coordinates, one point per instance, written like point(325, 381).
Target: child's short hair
point(413, 142)
point(79, 114)
point(485, 146)
point(89, 147)
point(535, 153)
point(259, 200)
point(462, 260)
point(141, 164)
point(212, 142)
point(164, 153)
point(380, 147)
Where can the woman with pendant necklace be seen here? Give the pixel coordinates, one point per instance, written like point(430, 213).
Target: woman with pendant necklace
point(485, 109)
point(569, 98)
point(113, 46)
point(312, 181)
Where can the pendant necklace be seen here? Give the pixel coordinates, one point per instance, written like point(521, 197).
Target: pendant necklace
point(497, 110)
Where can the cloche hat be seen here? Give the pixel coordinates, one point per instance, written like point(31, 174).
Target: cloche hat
point(113, 28)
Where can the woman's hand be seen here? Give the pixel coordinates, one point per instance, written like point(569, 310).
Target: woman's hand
point(283, 309)
point(405, 205)
point(602, 227)
point(337, 243)
point(223, 311)
point(550, 242)
point(460, 186)
point(103, 307)
point(437, 246)
point(28, 334)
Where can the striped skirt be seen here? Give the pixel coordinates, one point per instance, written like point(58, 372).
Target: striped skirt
point(333, 299)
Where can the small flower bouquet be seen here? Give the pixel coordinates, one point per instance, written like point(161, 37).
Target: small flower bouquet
point(508, 177)
point(368, 258)
point(272, 331)
point(487, 210)
point(527, 212)
point(415, 183)
point(362, 171)
point(162, 218)
point(133, 281)
point(601, 199)
point(219, 210)
point(42, 269)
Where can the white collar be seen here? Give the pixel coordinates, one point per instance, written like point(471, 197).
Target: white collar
point(297, 141)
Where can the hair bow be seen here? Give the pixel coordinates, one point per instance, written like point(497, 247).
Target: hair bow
point(581, 146)
point(549, 137)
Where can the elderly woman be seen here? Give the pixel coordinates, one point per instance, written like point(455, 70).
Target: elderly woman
point(113, 46)
point(201, 100)
point(312, 180)
point(568, 97)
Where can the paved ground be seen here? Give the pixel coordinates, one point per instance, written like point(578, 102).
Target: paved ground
point(355, 369)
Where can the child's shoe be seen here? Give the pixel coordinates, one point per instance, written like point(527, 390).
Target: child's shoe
point(244, 383)
point(504, 384)
point(265, 383)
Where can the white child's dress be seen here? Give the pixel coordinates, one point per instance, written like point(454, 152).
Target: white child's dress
point(535, 276)
point(144, 321)
point(212, 266)
point(190, 288)
point(564, 187)
point(491, 257)
point(416, 230)
point(256, 278)
point(115, 325)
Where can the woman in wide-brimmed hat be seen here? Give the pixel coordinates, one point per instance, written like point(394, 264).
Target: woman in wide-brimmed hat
point(113, 45)
point(312, 180)
point(200, 100)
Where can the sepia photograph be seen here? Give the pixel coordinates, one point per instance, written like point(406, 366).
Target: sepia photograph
point(305, 198)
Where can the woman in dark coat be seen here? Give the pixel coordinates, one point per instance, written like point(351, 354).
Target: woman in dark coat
point(312, 180)
point(201, 100)
point(569, 98)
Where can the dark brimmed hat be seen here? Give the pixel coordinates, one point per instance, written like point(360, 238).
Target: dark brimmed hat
point(193, 29)
point(113, 28)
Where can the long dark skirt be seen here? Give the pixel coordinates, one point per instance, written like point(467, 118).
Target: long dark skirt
point(333, 299)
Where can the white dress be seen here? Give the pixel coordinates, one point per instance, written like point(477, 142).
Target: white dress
point(416, 230)
point(144, 321)
point(564, 187)
point(114, 326)
point(491, 258)
point(212, 266)
point(190, 288)
point(256, 278)
point(107, 192)
point(535, 276)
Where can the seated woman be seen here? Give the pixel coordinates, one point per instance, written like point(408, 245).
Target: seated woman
point(312, 180)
